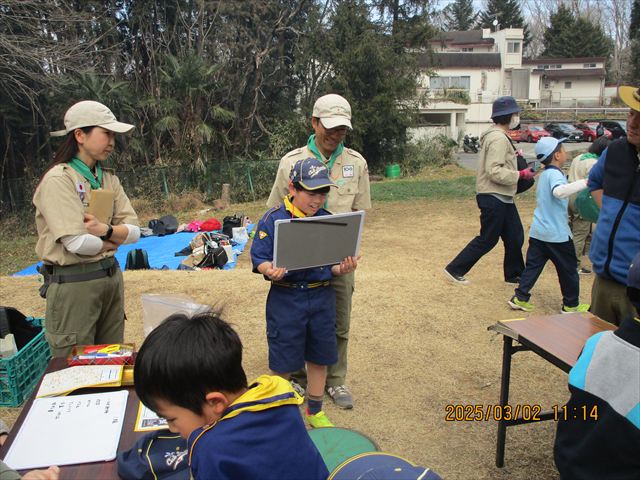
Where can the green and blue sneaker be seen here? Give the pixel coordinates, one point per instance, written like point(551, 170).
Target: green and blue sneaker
point(583, 307)
point(517, 304)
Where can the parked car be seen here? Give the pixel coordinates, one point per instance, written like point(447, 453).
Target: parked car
point(533, 133)
point(564, 130)
point(514, 135)
point(618, 128)
point(588, 130)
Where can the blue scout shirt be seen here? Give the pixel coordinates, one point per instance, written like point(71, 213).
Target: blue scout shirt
point(262, 246)
point(550, 218)
point(261, 435)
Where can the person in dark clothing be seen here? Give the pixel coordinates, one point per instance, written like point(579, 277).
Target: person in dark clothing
point(598, 433)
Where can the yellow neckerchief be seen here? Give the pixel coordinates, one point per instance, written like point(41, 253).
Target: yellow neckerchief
point(266, 391)
point(291, 208)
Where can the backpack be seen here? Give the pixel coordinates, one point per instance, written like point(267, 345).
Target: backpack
point(213, 258)
point(137, 259)
point(229, 223)
point(164, 225)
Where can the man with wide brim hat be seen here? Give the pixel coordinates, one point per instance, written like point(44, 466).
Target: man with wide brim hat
point(331, 120)
point(614, 183)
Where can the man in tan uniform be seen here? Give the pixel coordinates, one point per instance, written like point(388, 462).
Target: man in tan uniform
point(330, 120)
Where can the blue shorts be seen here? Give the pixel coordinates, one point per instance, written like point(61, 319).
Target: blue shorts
point(301, 326)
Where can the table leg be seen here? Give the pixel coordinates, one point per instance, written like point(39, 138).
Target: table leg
point(507, 352)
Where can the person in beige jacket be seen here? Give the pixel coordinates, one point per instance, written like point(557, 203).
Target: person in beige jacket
point(496, 185)
point(331, 118)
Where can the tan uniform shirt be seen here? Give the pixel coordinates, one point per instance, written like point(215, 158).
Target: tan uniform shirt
point(350, 173)
point(60, 205)
point(497, 165)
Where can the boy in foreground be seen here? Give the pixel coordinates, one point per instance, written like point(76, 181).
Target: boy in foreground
point(189, 371)
point(550, 235)
point(301, 306)
point(599, 434)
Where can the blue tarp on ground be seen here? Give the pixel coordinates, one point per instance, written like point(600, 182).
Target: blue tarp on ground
point(160, 251)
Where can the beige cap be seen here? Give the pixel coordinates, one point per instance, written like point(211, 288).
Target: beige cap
point(333, 111)
point(91, 114)
point(630, 96)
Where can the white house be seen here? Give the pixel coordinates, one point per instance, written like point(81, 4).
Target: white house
point(467, 70)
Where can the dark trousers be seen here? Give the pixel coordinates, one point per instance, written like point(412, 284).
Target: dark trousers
point(563, 256)
point(497, 220)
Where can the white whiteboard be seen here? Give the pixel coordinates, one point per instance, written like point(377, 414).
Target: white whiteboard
point(69, 430)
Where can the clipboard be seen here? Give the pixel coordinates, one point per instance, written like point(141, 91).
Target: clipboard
point(317, 241)
point(101, 204)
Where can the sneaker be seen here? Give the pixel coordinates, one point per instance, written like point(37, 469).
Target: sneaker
point(341, 396)
point(299, 389)
point(517, 304)
point(584, 271)
point(459, 279)
point(319, 420)
point(583, 307)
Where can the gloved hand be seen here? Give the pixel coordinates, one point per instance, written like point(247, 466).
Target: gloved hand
point(526, 174)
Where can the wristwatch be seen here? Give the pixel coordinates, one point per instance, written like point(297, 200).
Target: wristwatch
point(107, 235)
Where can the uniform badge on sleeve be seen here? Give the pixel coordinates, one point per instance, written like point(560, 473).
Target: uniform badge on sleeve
point(347, 171)
point(262, 234)
point(81, 190)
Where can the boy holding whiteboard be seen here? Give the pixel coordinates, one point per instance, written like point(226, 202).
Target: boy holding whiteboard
point(301, 309)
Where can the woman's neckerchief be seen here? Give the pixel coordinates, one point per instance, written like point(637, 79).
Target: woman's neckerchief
point(83, 169)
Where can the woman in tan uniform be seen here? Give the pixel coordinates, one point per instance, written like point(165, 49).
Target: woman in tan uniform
point(85, 294)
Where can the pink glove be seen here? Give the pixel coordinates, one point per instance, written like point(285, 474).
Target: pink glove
point(526, 174)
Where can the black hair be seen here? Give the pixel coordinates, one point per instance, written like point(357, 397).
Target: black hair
point(503, 119)
point(599, 145)
point(298, 186)
point(66, 151)
point(185, 358)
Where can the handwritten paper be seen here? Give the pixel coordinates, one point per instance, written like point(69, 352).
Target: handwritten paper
point(73, 378)
point(69, 430)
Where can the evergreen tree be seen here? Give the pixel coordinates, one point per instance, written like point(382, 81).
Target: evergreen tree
point(508, 14)
point(459, 15)
point(575, 37)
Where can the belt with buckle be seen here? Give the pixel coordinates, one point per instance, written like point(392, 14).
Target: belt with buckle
point(301, 285)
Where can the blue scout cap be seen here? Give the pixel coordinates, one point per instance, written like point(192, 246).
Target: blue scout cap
point(159, 455)
point(311, 173)
point(378, 466)
point(504, 106)
point(546, 146)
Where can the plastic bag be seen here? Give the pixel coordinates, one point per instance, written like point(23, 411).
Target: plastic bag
point(156, 307)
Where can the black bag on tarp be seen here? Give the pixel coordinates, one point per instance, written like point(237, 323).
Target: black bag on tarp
point(13, 321)
point(229, 223)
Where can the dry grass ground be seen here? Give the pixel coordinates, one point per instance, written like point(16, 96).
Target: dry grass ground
point(418, 342)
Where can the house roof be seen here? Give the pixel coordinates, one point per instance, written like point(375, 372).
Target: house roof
point(461, 37)
point(455, 59)
point(574, 72)
point(541, 60)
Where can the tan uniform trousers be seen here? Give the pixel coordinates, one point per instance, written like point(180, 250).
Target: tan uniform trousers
point(581, 230)
point(88, 312)
point(609, 301)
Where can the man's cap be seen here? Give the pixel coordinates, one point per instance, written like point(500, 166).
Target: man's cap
point(333, 111)
point(630, 96)
point(504, 106)
point(311, 174)
point(546, 146)
point(91, 114)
